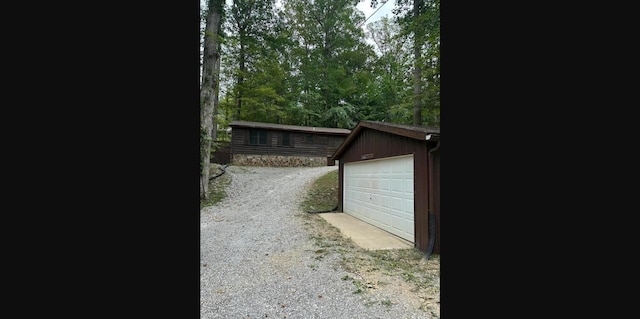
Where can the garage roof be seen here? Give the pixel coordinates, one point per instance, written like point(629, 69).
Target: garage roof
point(412, 131)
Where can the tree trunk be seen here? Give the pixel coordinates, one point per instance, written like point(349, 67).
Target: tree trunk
point(241, 78)
point(216, 71)
point(417, 70)
point(208, 90)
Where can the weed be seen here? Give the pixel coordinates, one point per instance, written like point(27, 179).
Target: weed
point(323, 194)
point(408, 276)
point(408, 265)
point(359, 286)
point(217, 188)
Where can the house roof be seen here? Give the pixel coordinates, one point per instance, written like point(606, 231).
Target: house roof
point(294, 128)
point(423, 133)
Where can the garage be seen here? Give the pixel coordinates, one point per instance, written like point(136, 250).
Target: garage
point(380, 192)
point(389, 177)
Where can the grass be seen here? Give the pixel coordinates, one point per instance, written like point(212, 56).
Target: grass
point(360, 288)
point(387, 268)
point(408, 264)
point(323, 194)
point(217, 187)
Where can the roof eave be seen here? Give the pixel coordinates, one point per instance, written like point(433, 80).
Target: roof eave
point(384, 128)
point(346, 142)
point(312, 130)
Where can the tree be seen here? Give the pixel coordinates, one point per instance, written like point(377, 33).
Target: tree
point(390, 86)
point(209, 88)
point(330, 57)
point(249, 23)
point(420, 21)
point(307, 63)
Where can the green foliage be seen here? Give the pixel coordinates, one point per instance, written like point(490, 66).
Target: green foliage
point(217, 187)
point(323, 194)
point(307, 63)
point(340, 116)
point(425, 32)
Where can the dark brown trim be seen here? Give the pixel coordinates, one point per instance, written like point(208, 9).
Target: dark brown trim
point(414, 132)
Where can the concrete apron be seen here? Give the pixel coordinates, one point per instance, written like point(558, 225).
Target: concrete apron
point(363, 234)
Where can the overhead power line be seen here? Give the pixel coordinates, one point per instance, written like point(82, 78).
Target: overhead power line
point(374, 12)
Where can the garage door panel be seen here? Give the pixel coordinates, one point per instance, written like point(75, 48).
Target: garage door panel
point(380, 192)
point(385, 184)
point(408, 186)
point(397, 222)
point(408, 205)
point(396, 185)
point(385, 202)
point(375, 199)
point(396, 203)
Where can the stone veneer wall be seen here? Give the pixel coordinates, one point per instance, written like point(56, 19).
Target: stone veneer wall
point(277, 160)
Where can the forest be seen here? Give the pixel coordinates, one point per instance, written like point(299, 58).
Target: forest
point(317, 63)
point(305, 62)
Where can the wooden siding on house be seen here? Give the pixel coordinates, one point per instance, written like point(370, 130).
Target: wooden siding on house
point(322, 145)
point(223, 154)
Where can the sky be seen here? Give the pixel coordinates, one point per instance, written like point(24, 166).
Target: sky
point(383, 10)
point(364, 6)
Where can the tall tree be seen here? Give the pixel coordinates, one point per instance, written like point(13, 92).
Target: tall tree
point(417, 69)
point(208, 89)
point(420, 21)
point(249, 22)
point(389, 90)
point(331, 56)
point(306, 62)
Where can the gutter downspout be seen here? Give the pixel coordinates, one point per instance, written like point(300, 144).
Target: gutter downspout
point(431, 213)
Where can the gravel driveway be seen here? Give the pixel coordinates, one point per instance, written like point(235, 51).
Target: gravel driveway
point(257, 261)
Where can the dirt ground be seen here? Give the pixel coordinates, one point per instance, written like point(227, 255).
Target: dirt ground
point(401, 272)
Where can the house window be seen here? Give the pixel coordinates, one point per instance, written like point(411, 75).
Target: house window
point(308, 138)
point(286, 141)
point(258, 137)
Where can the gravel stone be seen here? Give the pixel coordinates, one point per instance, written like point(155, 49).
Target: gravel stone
point(257, 261)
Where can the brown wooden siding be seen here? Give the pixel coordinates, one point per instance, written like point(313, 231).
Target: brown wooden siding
point(223, 154)
point(321, 145)
point(374, 144)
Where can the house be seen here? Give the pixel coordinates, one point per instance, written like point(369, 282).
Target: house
point(389, 176)
point(268, 144)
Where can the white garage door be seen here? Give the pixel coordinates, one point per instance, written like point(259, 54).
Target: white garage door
point(380, 192)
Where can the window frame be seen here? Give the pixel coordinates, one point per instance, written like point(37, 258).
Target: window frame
point(260, 136)
point(289, 139)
